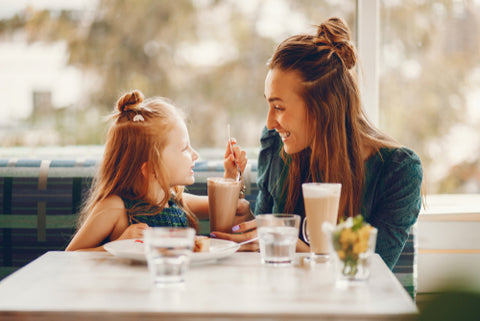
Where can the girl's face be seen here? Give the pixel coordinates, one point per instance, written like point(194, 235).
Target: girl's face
point(179, 157)
point(287, 112)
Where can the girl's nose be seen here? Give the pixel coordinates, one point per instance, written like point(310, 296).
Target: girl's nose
point(195, 155)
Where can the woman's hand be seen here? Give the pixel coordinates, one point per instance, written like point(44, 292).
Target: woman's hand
point(302, 246)
point(134, 231)
point(231, 171)
point(243, 211)
point(243, 232)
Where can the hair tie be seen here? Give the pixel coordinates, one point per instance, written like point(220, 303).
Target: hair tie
point(138, 117)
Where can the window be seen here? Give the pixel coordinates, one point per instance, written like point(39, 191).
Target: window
point(421, 72)
point(430, 87)
point(207, 56)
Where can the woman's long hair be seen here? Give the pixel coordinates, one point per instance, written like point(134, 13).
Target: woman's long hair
point(137, 136)
point(335, 118)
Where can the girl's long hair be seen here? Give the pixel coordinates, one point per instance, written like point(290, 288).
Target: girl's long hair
point(335, 118)
point(137, 136)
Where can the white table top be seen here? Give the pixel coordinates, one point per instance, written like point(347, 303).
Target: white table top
point(97, 285)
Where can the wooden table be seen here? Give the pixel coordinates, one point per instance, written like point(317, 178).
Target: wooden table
point(99, 286)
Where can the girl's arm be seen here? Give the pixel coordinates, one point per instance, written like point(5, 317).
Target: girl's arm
point(107, 220)
point(197, 204)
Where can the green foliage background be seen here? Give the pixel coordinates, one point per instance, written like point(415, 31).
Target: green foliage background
point(428, 60)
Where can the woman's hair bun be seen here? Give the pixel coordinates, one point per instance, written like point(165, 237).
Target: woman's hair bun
point(335, 33)
point(130, 101)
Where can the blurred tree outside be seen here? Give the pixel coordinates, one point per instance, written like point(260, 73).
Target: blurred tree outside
point(429, 68)
point(209, 57)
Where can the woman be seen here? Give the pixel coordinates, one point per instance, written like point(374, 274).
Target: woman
point(316, 131)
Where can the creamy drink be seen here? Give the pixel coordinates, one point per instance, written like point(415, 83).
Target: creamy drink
point(321, 205)
point(223, 194)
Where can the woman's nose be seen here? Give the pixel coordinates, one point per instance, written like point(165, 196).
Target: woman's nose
point(271, 120)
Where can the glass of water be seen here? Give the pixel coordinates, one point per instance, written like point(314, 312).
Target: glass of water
point(168, 253)
point(278, 234)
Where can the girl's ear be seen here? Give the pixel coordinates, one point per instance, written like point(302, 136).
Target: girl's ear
point(144, 170)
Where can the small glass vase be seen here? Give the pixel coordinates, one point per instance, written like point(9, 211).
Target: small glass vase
point(352, 244)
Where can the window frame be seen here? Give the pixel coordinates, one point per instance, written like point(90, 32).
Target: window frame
point(368, 45)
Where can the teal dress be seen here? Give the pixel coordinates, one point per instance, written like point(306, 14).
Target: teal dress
point(171, 216)
point(391, 198)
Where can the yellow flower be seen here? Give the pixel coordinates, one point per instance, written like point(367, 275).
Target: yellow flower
point(360, 247)
point(364, 232)
point(348, 237)
point(341, 254)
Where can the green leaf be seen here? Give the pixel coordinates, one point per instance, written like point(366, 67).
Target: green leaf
point(357, 222)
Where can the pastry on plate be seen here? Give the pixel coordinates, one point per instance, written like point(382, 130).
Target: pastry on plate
point(202, 244)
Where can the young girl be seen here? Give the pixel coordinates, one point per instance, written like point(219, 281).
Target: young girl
point(147, 161)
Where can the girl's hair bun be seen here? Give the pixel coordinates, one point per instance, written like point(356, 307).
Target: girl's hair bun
point(336, 34)
point(130, 101)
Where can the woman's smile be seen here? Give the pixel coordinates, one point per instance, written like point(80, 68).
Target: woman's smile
point(287, 112)
point(284, 135)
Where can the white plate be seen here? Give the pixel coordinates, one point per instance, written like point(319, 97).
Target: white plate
point(133, 249)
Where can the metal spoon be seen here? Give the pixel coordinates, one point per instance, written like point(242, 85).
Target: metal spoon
point(248, 241)
point(239, 177)
point(240, 244)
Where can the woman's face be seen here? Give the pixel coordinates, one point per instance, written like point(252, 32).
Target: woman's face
point(179, 157)
point(287, 112)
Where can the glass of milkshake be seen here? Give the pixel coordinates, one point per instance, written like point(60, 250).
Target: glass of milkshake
point(321, 205)
point(223, 194)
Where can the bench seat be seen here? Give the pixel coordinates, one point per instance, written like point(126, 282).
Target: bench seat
point(39, 200)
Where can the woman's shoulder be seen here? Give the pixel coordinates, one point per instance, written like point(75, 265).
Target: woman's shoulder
point(269, 138)
point(270, 151)
point(400, 161)
point(398, 155)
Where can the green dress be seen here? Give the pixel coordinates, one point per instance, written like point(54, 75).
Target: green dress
point(171, 216)
point(391, 194)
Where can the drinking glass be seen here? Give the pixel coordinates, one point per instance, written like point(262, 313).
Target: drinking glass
point(168, 253)
point(223, 194)
point(353, 244)
point(278, 235)
point(321, 205)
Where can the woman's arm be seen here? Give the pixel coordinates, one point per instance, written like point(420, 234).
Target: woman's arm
point(398, 204)
point(269, 169)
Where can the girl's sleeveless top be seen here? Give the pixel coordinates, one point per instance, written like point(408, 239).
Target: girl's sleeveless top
point(171, 216)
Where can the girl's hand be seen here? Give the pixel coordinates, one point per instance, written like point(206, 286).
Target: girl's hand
point(231, 170)
point(134, 231)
